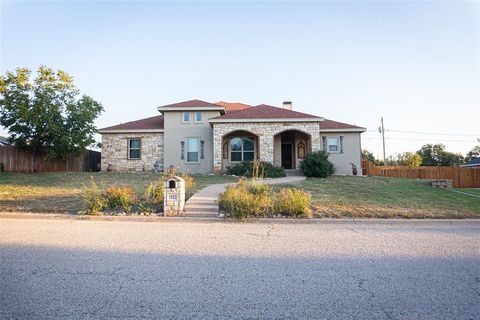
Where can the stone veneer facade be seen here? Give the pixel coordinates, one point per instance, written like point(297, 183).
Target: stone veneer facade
point(115, 149)
point(265, 132)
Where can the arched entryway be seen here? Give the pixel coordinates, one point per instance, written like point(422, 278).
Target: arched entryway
point(290, 147)
point(239, 146)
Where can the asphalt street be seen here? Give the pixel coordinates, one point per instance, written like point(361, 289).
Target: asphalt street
point(71, 269)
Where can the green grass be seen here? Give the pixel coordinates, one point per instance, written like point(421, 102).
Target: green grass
point(62, 192)
point(386, 198)
point(475, 191)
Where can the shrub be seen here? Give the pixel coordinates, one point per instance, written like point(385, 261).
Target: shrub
point(189, 182)
point(245, 200)
point(317, 165)
point(93, 199)
point(120, 197)
point(293, 202)
point(247, 169)
point(154, 192)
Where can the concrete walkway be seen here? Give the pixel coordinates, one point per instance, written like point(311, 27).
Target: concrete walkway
point(204, 204)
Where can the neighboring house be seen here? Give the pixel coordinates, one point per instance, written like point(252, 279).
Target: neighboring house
point(4, 141)
point(203, 137)
point(475, 162)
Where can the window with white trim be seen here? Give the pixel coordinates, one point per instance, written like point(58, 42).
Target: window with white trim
point(186, 117)
point(242, 149)
point(192, 149)
point(333, 144)
point(198, 116)
point(134, 148)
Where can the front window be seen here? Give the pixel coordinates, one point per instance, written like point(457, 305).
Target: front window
point(186, 117)
point(332, 144)
point(198, 116)
point(134, 146)
point(242, 149)
point(192, 150)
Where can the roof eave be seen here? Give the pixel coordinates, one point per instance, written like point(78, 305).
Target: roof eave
point(102, 131)
point(267, 120)
point(219, 108)
point(343, 130)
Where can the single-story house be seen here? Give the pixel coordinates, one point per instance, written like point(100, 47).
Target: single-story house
point(473, 163)
point(204, 137)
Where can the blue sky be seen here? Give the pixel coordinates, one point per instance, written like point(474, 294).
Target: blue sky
point(415, 63)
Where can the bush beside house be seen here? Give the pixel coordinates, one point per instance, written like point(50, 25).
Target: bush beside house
point(248, 169)
point(317, 165)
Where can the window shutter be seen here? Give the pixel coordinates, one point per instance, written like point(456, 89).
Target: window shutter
point(324, 143)
point(341, 144)
point(182, 150)
point(202, 149)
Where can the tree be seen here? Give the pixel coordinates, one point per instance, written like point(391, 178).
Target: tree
point(474, 153)
point(437, 155)
point(409, 159)
point(47, 114)
point(368, 155)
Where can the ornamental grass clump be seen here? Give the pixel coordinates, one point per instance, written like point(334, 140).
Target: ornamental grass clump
point(120, 197)
point(93, 200)
point(246, 200)
point(154, 192)
point(293, 203)
point(189, 184)
point(257, 199)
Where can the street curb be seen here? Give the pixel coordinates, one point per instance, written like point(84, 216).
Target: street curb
point(358, 221)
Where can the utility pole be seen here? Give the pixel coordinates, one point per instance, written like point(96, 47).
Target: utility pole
point(381, 130)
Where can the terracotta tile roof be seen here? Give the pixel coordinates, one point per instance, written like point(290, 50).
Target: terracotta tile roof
point(150, 123)
point(264, 111)
point(330, 124)
point(233, 106)
point(190, 104)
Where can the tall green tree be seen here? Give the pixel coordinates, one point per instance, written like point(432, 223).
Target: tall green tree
point(474, 153)
point(437, 155)
point(409, 159)
point(368, 155)
point(47, 113)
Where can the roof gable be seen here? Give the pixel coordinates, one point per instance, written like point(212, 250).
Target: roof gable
point(190, 104)
point(330, 124)
point(151, 123)
point(264, 111)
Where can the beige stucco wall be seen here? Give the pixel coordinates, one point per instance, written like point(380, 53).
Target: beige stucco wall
point(177, 131)
point(115, 151)
point(266, 132)
point(351, 152)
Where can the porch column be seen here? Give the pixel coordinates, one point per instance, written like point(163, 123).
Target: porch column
point(316, 142)
point(266, 148)
point(217, 150)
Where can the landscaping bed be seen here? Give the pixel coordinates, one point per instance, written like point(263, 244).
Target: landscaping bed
point(62, 192)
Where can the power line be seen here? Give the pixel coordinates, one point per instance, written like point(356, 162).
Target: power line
point(433, 133)
point(413, 139)
point(429, 133)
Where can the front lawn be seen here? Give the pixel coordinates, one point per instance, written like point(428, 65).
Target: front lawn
point(386, 198)
point(474, 191)
point(62, 192)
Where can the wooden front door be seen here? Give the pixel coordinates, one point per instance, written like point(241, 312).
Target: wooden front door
point(287, 157)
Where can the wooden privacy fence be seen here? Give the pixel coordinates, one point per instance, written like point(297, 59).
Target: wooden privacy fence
point(462, 177)
point(20, 160)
